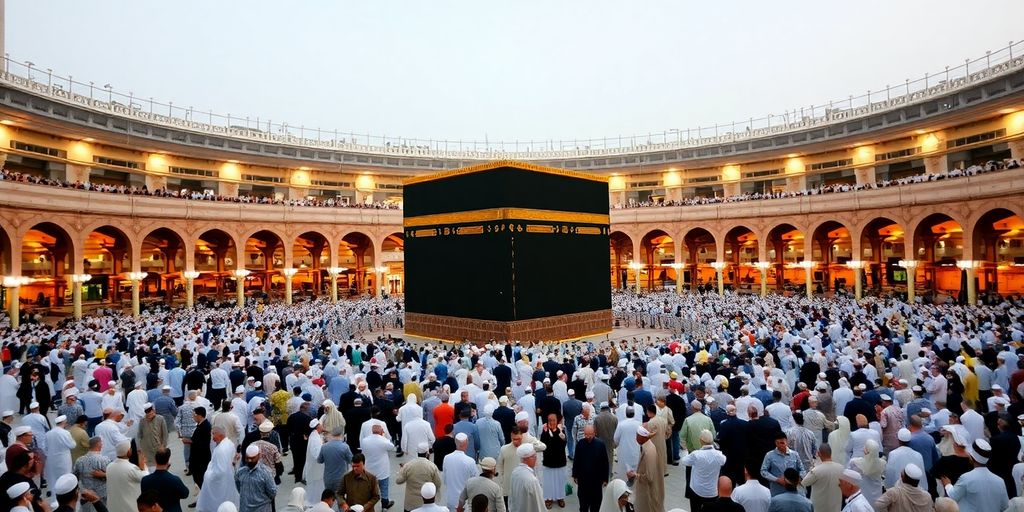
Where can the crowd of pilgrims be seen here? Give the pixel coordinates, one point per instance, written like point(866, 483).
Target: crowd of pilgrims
point(775, 404)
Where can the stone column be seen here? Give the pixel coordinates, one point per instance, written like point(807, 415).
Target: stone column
point(808, 273)
point(936, 164)
point(189, 293)
point(13, 304)
point(76, 298)
point(135, 297)
point(911, 282)
point(240, 290)
point(972, 289)
point(377, 282)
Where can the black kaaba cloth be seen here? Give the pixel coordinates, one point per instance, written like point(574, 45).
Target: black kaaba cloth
point(506, 250)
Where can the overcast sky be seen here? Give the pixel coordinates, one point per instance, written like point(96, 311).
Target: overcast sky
point(503, 69)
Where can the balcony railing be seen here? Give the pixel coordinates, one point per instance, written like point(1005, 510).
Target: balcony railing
point(28, 76)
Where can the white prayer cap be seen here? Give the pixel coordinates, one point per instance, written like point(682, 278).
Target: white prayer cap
point(60, 419)
point(980, 451)
point(123, 448)
point(17, 490)
point(314, 423)
point(903, 435)
point(996, 387)
point(166, 388)
point(328, 403)
point(33, 405)
point(266, 426)
point(604, 405)
point(428, 491)
point(522, 416)
point(461, 437)
point(252, 450)
point(917, 389)
point(239, 390)
point(525, 451)
point(111, 383)
point(353, 508)
point(227, 506)
point(138, 384)
point(20, 431)
point(423, 447)
point(6, 414)
point(65, 484)
point(1000, 400)
point(503, 400)
point(850, 476)
point(572, 392)
point(590, 395)
point(886, 398)
point(913, 471)
point(641, 431)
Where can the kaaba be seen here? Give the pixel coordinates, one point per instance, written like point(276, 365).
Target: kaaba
point(506, 251)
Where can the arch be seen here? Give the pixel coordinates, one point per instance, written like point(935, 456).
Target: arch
point(215, 255)
point(263, 256)
point(107, 253)
point(392, 257)
point(786, 245)
point(831, 248)
point(882, 245)
point(998, 241)
point(355, 253)
point(164, 254)
point(700, 248)
point(657, 249)
point(938, 244)
point(311, 255)
point(47, 254)
point(621, 253)
point(741, 251)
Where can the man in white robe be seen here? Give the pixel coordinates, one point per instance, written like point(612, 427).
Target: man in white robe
point(112, 432)
point(626, 446)
point(136, 401)
point(9, 390)
point(38, 423)
point(219, 478)
point(525, 493)
point(458, 468)
point(58, 450)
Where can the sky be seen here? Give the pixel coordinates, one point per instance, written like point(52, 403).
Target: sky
point(503, 70)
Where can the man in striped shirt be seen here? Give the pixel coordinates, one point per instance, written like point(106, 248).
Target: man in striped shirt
point(255, 483)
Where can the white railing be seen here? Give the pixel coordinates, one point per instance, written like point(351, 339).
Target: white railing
point(27, 76)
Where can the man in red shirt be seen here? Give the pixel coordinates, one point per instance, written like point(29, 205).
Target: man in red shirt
point(444, 414)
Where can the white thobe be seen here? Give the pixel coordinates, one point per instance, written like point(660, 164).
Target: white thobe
point(525, 493)
point(458, 468)
point(858, 439)
point(115, 401)
point(136, 399)
point(112, 433)
point(219, 479)
point(899, 459)
point(627, 447)
point(415, 432)
point(39, 427)
point(8, 393)
point(858, 503)
point(58, 453)
point(313, 471)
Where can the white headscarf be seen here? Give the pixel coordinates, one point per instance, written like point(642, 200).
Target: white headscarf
point(870, 465)
point(839, 439)
point(615, 488)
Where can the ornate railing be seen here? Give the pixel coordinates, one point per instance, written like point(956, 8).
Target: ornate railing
point(27, 76)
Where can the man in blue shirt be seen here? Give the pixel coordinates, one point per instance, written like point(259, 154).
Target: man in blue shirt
point(778, 461)
point(789, 500)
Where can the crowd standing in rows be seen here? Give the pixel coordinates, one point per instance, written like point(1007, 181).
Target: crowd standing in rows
point(774, 404)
